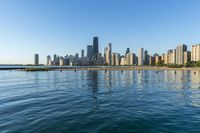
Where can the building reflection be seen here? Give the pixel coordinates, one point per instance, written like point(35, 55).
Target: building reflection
point(195, 86)
point(92, 82)
point(187, 83)
point(128, 78)
point(195, 79)
point(140, 79)
point(108, 79)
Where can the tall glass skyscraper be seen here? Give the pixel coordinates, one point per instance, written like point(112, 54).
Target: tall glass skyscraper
point(95, 47)
point(36, 59)
point(89, 51)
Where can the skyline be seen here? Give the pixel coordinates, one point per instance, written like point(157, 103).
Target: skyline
point(49, 27)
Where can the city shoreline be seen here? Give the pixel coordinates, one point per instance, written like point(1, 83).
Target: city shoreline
point(129, 68)
point(73, 68)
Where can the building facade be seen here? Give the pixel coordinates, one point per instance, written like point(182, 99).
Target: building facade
point(187, 56)
point(108, 56)
point(95, 47)
point(89, 51)
point(180, 49)
point(141, 57)
point(36, 59)
point(195, 53)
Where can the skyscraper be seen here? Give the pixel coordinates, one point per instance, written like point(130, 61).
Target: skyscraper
point(170, 57)
point(55, 59)
point(180, 49)
point(100, 59)
point(49, 62)
point(36, 59)
point(113, 59)
point(132, 59)
point(127, 59)
point(95, 47)
point(76, 56)
point(127, 51)
point(146, 57)
point(195, 54)
point(141, 57)
point(152, 60)
point(61, 61)
point(157, 59)
point(117, 59)
point(123, 61)
point(89, 51)
point(187, 56)
point(82, 53)
point(108, 56)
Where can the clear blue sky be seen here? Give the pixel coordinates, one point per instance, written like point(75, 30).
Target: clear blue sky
point(67, 26)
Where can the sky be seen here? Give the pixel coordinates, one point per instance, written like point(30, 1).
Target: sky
point(63, 27)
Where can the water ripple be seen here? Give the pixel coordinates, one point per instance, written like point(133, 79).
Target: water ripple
point(99, 101)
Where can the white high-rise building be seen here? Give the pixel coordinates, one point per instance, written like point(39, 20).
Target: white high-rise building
point(195, 53)
point(117, 59)
point(141, 57)
point(113, 59)
point(108, 55)
point(173, 57)
point(180, 49)
point(128, 59)
point(132, 58)
point(123, 61)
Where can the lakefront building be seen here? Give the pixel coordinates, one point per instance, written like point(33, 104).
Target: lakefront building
point(180, 49)
point(89, 51)
point(36, 59)
point(123, 61)
point(95, 48)
point(132, 59)
point(170, 57)
point(82, 53)
point(117, 59)
point(128, 59)
point(146, 57)
point(187, 56)
point(152, 60)
point(195, 53)
point(49, 61)
point(157, 59)
point(141, 56)
point(107, 55)
point(113, 59)
point(179, 56)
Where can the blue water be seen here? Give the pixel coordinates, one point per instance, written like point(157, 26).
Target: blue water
point(91, 102)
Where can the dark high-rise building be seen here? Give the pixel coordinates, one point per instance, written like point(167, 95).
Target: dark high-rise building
point(82, 53)
point(146, 57)
point(55, 59)
point(76, 55)
point(36, 59)
point(89, 51)
point(127, 50)
point(95, 46)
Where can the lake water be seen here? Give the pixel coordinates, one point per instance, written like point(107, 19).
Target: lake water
point(99, 101)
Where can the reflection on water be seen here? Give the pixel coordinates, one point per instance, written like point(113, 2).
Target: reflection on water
point(92, 79)
point(98, 101)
